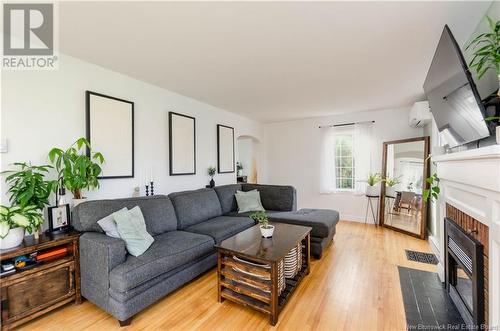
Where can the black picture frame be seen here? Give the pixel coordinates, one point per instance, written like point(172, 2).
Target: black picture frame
point(58, 228)
point(171, 115)
point(219, 126)
point(88, 95)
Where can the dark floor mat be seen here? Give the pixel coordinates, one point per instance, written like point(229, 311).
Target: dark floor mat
point(421, 257)
point(427, 304)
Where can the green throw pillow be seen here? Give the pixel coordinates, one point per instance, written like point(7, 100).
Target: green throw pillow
point(132, 230)
point(248, 201)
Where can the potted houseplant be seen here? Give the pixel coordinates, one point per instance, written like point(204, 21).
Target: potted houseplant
point(211, 173)
point(486, 51)
point(265, 228)
point(14, 221)
point(239, 169)
point(28, 187)
point(390, 186)
point(77, 169)
point(372, 180)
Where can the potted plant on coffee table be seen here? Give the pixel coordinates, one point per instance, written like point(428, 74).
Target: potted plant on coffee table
point(78, 169)
point(266, 229)
point(372, 180)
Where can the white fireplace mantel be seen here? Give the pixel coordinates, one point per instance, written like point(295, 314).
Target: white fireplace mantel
point(470, 181)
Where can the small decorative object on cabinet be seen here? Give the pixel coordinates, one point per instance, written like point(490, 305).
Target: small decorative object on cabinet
point(59, 218)
point(51, 282)
point(211, 172)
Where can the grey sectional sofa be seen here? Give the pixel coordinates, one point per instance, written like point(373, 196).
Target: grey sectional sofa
point(185, 226)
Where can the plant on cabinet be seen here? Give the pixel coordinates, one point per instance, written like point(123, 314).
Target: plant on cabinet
point(14, 221)
point(78, 170)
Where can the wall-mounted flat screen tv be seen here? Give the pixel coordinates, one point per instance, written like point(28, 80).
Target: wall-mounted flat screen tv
point(453, 96)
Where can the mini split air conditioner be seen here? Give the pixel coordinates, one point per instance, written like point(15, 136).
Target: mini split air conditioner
point(420, 114)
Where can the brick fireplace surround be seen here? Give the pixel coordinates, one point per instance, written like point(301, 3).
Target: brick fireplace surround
point(470, 196)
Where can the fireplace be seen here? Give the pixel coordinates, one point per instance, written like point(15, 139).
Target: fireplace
point(464, 267)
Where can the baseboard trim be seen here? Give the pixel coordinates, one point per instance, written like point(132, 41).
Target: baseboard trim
point(435, 247)
point(353, 218)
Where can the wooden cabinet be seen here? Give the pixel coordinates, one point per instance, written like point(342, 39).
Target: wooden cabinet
point(28, 294)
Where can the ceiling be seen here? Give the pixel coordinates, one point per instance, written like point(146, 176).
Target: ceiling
point(270, 61)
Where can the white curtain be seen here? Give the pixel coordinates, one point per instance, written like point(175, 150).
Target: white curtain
point(327, 165)
point(363, 146)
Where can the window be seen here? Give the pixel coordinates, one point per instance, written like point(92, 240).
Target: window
point(344, 162)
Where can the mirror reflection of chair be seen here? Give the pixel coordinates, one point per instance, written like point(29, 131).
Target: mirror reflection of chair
point(407, 201)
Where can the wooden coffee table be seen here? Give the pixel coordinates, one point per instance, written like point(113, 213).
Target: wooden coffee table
point(256, 286)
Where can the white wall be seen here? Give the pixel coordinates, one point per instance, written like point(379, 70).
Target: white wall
point(45, 109)
point(293, 156)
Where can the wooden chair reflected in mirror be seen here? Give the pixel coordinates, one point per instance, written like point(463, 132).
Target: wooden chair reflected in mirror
point(405, 166)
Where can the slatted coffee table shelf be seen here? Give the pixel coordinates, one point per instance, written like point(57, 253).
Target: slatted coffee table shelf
point(257, 284)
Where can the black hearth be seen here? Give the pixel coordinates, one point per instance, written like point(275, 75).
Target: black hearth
point(464, 274)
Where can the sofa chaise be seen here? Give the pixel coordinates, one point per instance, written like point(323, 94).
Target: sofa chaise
point(185, 226)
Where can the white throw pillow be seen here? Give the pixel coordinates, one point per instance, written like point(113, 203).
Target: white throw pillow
point(132, 229)
point(248, 201)
point(108, 225)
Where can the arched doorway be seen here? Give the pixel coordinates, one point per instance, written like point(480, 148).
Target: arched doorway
point(248, 159)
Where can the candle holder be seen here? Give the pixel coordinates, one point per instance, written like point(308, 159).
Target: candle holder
point(147, 190)
point(152, 187)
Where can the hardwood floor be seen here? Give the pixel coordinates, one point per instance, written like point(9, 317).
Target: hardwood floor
point(355, 286)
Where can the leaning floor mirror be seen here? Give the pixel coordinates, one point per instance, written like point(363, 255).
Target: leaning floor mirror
point(405, 168)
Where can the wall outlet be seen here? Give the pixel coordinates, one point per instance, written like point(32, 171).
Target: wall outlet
point(4, 145)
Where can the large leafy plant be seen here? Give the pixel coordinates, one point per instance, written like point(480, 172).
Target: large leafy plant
point(28, 186)
point(77, 170)
point(486, 50)
point(28, 217)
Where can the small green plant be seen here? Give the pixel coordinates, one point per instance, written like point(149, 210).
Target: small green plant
point(262, 218)
point(391, 182)
point(77, 170)
point(373, 178)
point(433, 191)
point(28, 186)
point(28, 217)
point(486, 50)
point(239, 166)
point(211, 171)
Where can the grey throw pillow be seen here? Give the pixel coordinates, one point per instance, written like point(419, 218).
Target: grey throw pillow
point(248, 201)
point(108, 225)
